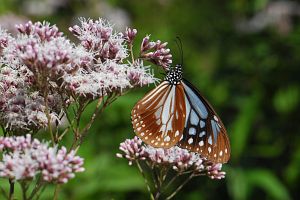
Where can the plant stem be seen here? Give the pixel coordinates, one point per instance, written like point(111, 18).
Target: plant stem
point(131, 53)
point(11, 189)
point(48, 115)
point(159, 183)
point(171, 181)
point(38, 194)
point(56, 192)
point(38, 185)
point(180, 187)
point(145, 179)
point(24, 188)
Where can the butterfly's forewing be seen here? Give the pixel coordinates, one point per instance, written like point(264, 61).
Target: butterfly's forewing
point(159, 117)
point(204, 132)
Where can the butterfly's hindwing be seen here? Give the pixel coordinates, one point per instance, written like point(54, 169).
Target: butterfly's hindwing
point(158, 118)
point(203, 132)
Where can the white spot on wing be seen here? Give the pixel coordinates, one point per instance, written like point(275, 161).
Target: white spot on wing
point(176, 133)
point(210, 140)
point(221, 153)
point(190, 141)
point(166, 109)
point(215, 118)
point(167, 139)
point(209, 149)
point(201, 143)
point(202, 134)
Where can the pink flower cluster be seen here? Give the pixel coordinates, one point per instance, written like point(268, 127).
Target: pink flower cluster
point(23, 158)
point(4, 39)
point(99, 37)
point(21, 109)
point(44, 50)
point(180, 160)
point(156, 52)
point(111, 72)
point(40, 58)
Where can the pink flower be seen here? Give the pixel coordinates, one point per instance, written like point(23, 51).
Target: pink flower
point(129, 35)
point(180, 160)
point(98, 36)
point(156, 52)
point(43, 31)
point(132, 150)
point(24, 158)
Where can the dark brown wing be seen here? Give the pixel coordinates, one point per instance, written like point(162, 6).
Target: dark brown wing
point(159, 117)
point(204, 131)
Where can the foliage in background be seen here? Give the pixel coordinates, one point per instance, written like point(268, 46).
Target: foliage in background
point(251, 78)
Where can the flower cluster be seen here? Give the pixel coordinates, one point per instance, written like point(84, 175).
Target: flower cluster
point(166, 166)
point(180, 160)
point(24, 158)
point(41, 63)
point(109, 73)
point(99, 37)
point(156, 52)
point(20, 108)
point(4, 39)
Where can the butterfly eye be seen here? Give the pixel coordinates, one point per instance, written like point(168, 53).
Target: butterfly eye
point(175, 113)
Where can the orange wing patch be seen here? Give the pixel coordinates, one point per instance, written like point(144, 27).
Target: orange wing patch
point(159, 118)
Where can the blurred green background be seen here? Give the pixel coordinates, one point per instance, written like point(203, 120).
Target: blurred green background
point(243, 55)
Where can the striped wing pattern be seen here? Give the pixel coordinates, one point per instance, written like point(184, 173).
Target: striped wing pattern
point(159, 118)
point(203, 132)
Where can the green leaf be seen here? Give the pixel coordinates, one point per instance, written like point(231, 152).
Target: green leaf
point(242, 125)
point(237, 183)
point(267, 181)
point(287, 99)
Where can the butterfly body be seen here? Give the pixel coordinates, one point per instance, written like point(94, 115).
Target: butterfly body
point(175, 113)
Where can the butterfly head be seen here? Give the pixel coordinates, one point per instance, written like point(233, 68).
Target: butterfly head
point(174, 76)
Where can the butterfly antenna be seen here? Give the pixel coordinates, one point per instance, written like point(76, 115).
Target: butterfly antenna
point(179, 45)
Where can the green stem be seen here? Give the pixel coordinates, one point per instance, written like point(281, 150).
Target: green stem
point(171, 181)
point(131, 53)
point(56, 192)
point(180, 187)
point(145, 179)
point(24, 188)
point(38, 195)
point(48, 116)
point(11, 189)
point(39, 183)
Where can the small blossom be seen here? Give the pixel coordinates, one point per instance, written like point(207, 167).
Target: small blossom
point(98, 36)
point(214, 171)
point(132, 150)
point(41, 30)
point(129, 35)
point(156, 52)
point(140, 75)
point(22, 109)
point(25, 157)
point(4, 39)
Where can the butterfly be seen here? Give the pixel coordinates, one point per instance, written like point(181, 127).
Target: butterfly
point(175, 113)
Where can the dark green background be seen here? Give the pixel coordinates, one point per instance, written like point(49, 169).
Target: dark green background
point(251, 79)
